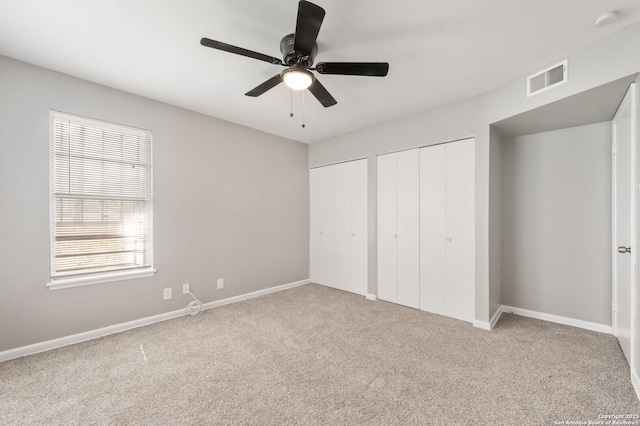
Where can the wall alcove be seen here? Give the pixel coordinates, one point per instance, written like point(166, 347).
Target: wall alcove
point(550, 207)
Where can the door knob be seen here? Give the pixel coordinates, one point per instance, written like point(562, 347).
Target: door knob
point(623, 249)
point(448, 240)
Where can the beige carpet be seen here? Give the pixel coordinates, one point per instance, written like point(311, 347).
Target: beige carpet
point(313, 355)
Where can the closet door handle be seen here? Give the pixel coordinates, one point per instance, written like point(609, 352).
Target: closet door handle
point(448, 240)
point(623, 249)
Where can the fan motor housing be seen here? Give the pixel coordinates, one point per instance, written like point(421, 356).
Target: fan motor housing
point(291, 57)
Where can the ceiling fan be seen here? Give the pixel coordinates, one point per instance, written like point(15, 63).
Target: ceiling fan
point(299, 50)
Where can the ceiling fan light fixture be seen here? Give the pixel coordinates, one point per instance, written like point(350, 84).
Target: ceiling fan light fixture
point(297, 78)
point(299, 50)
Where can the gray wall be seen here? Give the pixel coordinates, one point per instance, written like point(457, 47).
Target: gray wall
point(495, 222)
point(556, 222)
point(229, 202)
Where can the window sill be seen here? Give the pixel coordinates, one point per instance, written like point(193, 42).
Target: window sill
point(69, 282)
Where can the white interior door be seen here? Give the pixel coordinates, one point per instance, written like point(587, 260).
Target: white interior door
point(460, 229)
point(623, 204)
point(408, 227)
point(432, 229)
point(387, 233)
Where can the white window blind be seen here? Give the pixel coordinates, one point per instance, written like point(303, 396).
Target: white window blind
point(101, 197)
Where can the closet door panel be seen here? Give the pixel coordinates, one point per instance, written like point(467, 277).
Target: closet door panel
point(460, 205)
point(408, 227)
point(432, 229)
point(314, 223)
point(343, 189)
point(359, 228)
point(386, 182)
point(323, 230)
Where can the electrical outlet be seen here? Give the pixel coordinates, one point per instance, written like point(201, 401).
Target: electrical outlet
point(185, 289)
point(220, 283)
point(168, 293)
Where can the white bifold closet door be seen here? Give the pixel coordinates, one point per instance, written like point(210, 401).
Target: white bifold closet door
point(338, 226)
point(399, 227)
point(447, 229)
point(322, 225)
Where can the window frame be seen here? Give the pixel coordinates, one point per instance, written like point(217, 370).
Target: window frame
point(86, 277)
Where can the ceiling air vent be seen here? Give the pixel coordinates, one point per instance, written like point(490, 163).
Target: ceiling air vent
point(547, 79)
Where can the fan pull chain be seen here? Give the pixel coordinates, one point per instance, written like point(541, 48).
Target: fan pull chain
point(291, 106)
point(291, 103)
point(303, 126)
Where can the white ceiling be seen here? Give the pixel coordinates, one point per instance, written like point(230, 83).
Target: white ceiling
point(439, 51)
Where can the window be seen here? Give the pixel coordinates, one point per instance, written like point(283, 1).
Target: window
point(101, 203)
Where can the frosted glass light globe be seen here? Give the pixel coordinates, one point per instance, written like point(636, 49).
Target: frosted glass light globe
point(297, 79)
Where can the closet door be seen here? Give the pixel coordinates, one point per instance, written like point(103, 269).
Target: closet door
point(338, 226)
point(398, 228)
point(322, 209)
point(433, 257)
point(460, 228)
point(447, 229)
point(351, 226)
point(344, 239)
point(408, 227)
point(387, 234)
point(359, 228)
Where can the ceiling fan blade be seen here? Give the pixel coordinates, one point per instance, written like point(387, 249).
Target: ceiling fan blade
point(310, 18)
point(267, 85)
point(375, 69)
point(322, 94)
point(239, 51)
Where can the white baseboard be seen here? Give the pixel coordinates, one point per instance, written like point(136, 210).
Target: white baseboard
point(117, 328)
point(368, 296)
point(484, 325)
point(87, 335)
point(253, 295)
point(492, 322)
point(593, 326)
